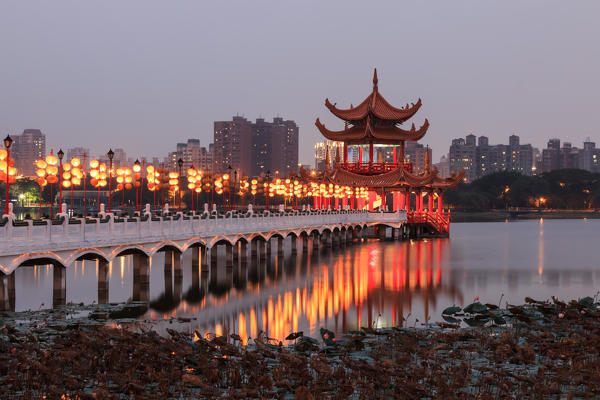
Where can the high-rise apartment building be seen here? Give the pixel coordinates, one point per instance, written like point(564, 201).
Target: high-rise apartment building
point(255, 148)
point(478, 157)
point(77, 152)
point(192, 154)
point(556, 157)
point(463, 155)
point(27, 148)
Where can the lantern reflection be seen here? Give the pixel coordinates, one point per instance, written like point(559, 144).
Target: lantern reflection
point(373, 284)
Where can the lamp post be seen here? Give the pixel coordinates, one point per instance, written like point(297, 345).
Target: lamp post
point(60, 155)
point(267, 191)
point(136, 170)
point(7, 143)
point(110, 155)
point(180, 165)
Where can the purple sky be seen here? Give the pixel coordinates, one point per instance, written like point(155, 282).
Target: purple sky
point(143, 75)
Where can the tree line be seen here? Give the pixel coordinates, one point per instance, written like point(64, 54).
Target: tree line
point(572, 189)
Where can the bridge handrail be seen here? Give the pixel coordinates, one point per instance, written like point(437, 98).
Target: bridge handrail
point(106, 227)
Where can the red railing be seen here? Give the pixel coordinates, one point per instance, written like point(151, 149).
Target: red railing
point(374, 168)
point(440, 221)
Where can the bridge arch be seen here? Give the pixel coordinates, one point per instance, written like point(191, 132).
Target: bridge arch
point(128, 249)
point(28, 260)
point(89, 254)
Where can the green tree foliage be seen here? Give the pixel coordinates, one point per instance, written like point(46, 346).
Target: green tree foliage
point(573, 189)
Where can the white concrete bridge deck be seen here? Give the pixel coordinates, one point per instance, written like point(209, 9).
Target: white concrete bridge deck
point(67, 240)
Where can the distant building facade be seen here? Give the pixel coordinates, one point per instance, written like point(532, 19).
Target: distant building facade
point(192, 155)
point(555, 156)
point(26, 149)
point(255, 147)
point(478, 157)
point(77, 152)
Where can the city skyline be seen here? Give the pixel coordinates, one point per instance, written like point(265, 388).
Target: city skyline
point(77, 76)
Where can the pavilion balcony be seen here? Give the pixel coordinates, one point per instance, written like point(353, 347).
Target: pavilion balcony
point(374, 168)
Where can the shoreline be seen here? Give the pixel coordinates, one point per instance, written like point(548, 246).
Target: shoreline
point(545, 348)
point(503, 215)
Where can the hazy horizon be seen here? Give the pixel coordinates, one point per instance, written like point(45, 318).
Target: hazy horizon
point(144, 75)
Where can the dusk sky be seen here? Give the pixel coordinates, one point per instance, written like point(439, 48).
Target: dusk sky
point(144, 75)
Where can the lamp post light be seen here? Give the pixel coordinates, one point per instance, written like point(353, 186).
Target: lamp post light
point(110, 155)
point(136, 171)
point(60, 155)
point(7, 143)
point(180, 165)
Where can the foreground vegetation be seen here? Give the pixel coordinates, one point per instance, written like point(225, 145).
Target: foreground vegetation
point(543, 349)
point(571, 189)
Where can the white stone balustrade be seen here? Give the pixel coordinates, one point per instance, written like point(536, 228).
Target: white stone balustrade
point(108, 235)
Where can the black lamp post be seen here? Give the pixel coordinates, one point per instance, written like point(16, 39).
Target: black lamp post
point(180, 164)
point(60, 155)
point(7, 143)
point(110, 155)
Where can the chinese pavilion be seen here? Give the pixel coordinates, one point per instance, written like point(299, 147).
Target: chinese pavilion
point(376, 122)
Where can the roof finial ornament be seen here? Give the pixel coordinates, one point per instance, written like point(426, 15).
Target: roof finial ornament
point(375, 80)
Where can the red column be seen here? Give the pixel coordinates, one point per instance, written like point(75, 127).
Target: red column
point(370, 152)
point(408, 200)
point(372, 197)
point(345, 152)
point(383, 199)
point(360, 154)
point(337, 203)
point(430, 201)
point(401, 200)
point(439, 207)
point(395, 158)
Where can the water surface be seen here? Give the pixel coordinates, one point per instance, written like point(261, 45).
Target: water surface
point(367, 284)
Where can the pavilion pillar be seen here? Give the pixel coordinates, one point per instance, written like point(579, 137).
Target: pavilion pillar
point(372, 198)
point(408, 200)
point(345, 152)
point(371, 152)
point(395, 156)
point(430, 201)
point(383, 196)
point(439, 205)
point(401, 199)
point(360, 155)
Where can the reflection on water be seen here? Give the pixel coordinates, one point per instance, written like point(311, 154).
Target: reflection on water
point(368, 284)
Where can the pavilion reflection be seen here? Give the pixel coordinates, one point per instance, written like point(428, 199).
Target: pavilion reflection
point(372, 284)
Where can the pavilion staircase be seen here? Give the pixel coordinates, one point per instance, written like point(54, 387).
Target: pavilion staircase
point(429, 223)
